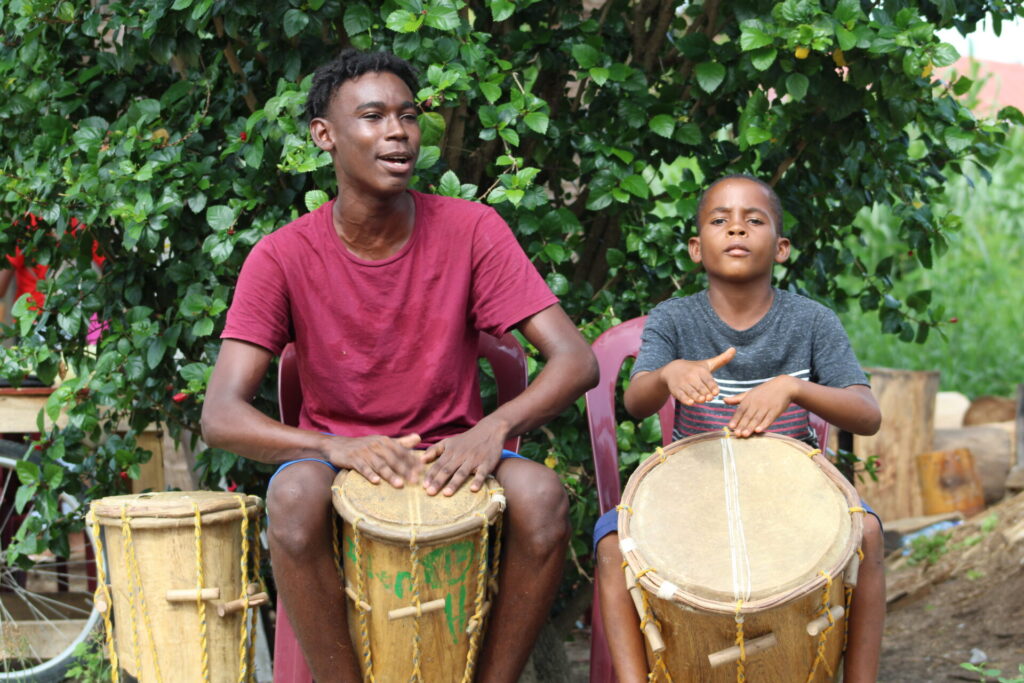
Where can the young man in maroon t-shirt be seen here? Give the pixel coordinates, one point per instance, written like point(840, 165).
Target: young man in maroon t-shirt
point(384, 292)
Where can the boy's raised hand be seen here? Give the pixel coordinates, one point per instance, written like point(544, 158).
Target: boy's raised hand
point(690, 381)
point(760, 406)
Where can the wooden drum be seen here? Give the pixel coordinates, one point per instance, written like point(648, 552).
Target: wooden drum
point(741, 556)
point(180, 583)
point(418, 577)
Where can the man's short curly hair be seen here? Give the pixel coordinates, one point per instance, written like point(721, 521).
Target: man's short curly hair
point(773, 198)
point(349, 64)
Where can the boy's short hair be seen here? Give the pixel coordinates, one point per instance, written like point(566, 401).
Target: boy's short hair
point(773, 197)
point(352, 63)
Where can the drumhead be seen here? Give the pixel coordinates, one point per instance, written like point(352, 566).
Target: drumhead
point(173, 507)
point(794, 514)
point(391, 513)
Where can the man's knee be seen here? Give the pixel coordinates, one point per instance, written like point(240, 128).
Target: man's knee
point(299, 511)
point(538, 507)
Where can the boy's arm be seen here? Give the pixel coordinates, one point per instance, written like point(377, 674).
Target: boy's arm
point(853, 408)
point(689, 382)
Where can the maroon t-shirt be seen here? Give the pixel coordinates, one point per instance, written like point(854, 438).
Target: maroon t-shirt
point(390, 346)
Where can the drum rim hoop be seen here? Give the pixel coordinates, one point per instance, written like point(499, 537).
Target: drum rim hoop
point(651, 582)
point(457, 529)
point(107, 511)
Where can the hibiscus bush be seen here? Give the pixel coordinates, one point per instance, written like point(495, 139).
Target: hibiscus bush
point(146, 146)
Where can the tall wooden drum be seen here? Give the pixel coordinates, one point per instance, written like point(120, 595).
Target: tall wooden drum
point(418, 576)
point(183, 568)
point(741, 556)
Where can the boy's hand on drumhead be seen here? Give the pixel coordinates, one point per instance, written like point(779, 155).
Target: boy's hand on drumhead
point(474, 453)
point(761, 406)
point(691, 382)
point(378, 457)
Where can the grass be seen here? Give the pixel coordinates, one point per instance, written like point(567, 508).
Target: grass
point(979, 282)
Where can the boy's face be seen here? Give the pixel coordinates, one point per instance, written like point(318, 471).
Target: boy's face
point(372, 133)
point(737, 239)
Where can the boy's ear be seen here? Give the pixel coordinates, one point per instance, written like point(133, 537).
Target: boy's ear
point(782, 247)
point(694, 247)
point(322, 134)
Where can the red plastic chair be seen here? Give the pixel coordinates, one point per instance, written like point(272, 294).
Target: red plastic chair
point(612, 349)
point(507, 361)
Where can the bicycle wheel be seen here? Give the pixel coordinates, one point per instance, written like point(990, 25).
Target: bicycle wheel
point(47, 610)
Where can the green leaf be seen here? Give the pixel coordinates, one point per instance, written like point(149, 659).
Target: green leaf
point(501, 9)
point(431, 128)
point(491, 91)
point(182, 4)
point(220, 217)
point(509, 136)
point(600, 75)
point(358, 19)
point(404, 21)
point(429, 154)
point(537, 122)
point(635, 185)
point(710, 75)
point(449, 185)
point(663, 124)
point(28, 472)
point(688, 134)
point(294, 21)
point(155, 352)
point(957, 139)
point(847, 39)
point(752, 35)
point(202, 328)
point(944, 55)
point(585, 55)
point(755, 136)
point(763, 58)
point(796, 86)
point(314, 199)
point(558, 283)
point(442, 18)
point(23, 496)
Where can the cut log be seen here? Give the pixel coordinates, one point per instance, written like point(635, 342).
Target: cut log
point(990, 447)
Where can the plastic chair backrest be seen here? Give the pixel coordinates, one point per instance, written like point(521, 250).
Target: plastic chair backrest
point(508, 362)
point(611, 349)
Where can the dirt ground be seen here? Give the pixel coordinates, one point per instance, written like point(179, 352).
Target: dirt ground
point(968, 602)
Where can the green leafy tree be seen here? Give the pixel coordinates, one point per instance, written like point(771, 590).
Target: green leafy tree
point(167, 138)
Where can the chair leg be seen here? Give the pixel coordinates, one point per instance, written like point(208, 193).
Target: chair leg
point(289, 663)
point(601, 670)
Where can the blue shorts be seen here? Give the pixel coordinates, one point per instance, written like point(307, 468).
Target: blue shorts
point(609, 522)
point(504, 454)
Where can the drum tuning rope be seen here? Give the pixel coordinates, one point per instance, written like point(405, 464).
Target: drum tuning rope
point(337, 549)
point(812, 453)
point(848, 599)
point(659, 669)
point(741, 662)
point(414, 561)
point(200, 582)
point(364, 633)
point(103, 597)
point(823, 636)
point(135, 584)
point(476, 622)
point(738, 555)
point(245, 653)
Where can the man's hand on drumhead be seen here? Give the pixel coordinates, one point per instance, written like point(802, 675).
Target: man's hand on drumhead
point(691, 382)
point(378, 457)
point(761, 406)
point(474, 453)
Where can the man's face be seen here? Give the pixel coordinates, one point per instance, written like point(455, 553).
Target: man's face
point(372, 133)
point(737, 239)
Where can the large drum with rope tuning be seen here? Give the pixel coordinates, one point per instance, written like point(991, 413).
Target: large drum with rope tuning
point(420, 572)
point(184, 575)
point(741, 557)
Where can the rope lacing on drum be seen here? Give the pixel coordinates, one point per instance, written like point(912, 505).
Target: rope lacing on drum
point(620, 507)
point(103, 596)
point(414, 562)
point(245, 653)
point(826, 611)
point(848, 600)
point(200, 603)
point(135, 579)
point(337, 549)
point(361, 602)
point(814, 452)
point(648, 617)
point(738, 555)
point(857, 508)
point(660, 452)
point(741, 662)
point(476, 622)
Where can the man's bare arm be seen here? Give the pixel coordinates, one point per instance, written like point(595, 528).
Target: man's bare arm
point(230, 422)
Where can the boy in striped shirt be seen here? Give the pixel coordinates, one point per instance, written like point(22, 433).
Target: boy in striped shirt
point(756, 359)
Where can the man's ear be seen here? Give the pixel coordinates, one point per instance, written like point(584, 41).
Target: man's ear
point(694, 247)
point(322, 134)
point(782, 248)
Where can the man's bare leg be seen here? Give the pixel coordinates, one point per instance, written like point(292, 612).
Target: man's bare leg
point(536, 535)
point(302, 556)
